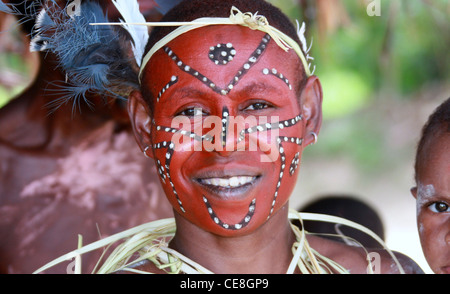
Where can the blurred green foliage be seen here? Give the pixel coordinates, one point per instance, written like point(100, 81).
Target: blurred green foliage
point(367, 60)
point(400, 51)
point(13, 63)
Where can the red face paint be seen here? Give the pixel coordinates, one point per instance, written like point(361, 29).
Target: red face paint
point(231, 163)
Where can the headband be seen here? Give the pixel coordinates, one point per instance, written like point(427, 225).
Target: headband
point(252, 21)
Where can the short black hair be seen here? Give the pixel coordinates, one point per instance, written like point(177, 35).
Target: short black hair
point(437, 124)
point(189, 10)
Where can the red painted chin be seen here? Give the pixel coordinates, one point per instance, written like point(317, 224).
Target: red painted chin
point(223, 210)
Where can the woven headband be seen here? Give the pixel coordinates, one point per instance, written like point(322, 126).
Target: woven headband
point(252, 21)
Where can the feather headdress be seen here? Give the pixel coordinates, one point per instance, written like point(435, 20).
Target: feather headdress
point(131, 14)
point(95, 60)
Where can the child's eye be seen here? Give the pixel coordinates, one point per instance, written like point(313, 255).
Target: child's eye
point(439, 207)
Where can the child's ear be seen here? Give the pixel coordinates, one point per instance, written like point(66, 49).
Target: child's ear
point(414, 192)
point(140, 117)
point(311, 101)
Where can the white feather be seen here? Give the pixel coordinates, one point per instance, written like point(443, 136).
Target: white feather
point(129, 9)
point(301, 35)
point(34, 42)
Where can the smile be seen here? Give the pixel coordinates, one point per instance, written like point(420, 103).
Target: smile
point(232, 182)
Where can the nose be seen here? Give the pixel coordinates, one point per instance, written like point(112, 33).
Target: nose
point(226, 141)
point(239, 133)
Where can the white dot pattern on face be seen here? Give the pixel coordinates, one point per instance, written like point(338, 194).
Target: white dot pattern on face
point(221, 54)
point(279, 75)
point(294, 163)
point(259, 128)
point(164, 171)
point(173, 80)
point(280, 140)
point(225, 120)
point(234, 81)
point(244, 222)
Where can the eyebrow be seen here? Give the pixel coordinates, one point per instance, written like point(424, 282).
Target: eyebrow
point(274, 72)
point(257, 87)
point(253, 88)
point(185, 92)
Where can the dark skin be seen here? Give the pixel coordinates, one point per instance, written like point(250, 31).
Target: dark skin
point(251, 250)
point(42, 155)
point(433, 199)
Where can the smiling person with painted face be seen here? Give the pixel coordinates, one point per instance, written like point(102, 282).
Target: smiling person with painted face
point(237, 74)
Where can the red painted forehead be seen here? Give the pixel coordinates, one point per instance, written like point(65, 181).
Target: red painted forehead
point(221, 54)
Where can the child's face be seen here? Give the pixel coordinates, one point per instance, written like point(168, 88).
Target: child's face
point(215, 84)
point(433, 202)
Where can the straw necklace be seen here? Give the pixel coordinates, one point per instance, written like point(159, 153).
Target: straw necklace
point(150, 240)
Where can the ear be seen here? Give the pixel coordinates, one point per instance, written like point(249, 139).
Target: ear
point(311, 102)
point(414, 192)
point(140, 117)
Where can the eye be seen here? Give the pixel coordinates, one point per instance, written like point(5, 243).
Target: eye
point(258, 106)
point(192, 111)
point(439, 207)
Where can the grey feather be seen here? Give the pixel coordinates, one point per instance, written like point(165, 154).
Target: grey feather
point(95, 59)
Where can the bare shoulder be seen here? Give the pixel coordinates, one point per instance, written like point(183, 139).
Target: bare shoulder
point(355, 259)
point(389, 265)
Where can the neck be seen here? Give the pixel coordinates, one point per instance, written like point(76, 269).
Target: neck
point(265, 251)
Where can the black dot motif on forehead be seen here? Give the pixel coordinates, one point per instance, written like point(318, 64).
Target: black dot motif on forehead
point(244, 222)
point(254, 57)
point(221, 54)
point(279, 75)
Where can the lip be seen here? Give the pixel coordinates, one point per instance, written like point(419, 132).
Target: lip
point(229, 193)
point(203, 179)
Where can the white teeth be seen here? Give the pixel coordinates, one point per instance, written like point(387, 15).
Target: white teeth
point(229, 182)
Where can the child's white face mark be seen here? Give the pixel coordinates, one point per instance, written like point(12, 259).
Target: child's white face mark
point(424, 194)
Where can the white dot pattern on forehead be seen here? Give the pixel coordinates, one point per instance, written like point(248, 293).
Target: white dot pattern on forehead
point(244, 222)
point(234, 81)
point(222, 54)
point(279, 75)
